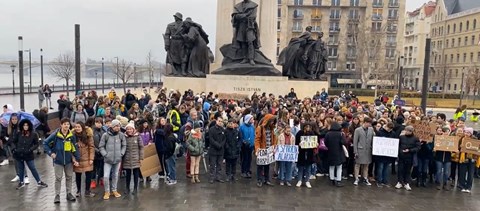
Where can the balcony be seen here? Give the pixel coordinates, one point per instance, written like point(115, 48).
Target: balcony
point(377, 5)
point(298, 17)
point(393, 18)
point(393, 4)
point(392, 30)
point(334, 17)
point(316, 17)
point(316, 29)
point(391, 44)
point(377, 17)
point(297, 29)
point(333, 56)
point(351, 56)
point(334, 30)
point(333, 42)
point(354, 17)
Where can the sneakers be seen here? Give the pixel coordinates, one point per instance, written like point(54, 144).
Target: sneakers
point(465, 191)
point(259, 184)
point(366, 182)
point(338, 184)
point(106, 196)
point(78, 194)
point(308, 185)
point(57, 199)
point(299, 184)
point(20, 185)
point(4, 162)
point(282, 184)
point(356, 182)
point(116, 194)
point(319, 175)
point(313, 177)
point(93, 185)
point(399, 185)
point(42, 184)
point(269, 183)
point(16, 179)
point(26, 180)
point(70, 197)
point(172, 182)
point(89, 194)
point(407, 187)
point(379, 185)
point(289, 184)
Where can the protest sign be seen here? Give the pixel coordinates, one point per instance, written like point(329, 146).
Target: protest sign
point(423, 130)
point(286, 153)
point(385, 146)
point(266, 156)
point(309, 142)
point(446, 143)
point(151, 163)
point(471, 146)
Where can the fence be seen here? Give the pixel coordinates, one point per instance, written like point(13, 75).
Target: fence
point(83, 86)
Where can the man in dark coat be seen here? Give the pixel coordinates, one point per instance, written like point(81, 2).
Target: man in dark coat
point(216, 150)
point(409, 146)
point(232, 149)
point(334, 141)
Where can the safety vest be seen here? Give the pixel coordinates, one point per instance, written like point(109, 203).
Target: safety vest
point(457, 115)
point(474, 118)
point(177, 115)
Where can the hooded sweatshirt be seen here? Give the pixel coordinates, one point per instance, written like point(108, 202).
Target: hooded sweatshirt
point(262, 131)
point(247, 131)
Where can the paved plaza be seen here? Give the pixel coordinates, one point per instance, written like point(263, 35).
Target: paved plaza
point(243, 195)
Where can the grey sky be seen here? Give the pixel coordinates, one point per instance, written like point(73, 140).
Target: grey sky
point(109, 28)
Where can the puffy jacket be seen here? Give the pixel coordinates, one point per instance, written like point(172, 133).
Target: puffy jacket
point(247, 132)
point(133, 153)
point(24, 145)
point(217, 140)
point(64, 146)
point(195, 145)
point(233, 144)
point(411, 143)
point(97, 136)
point(113, 146)
point(87, 153)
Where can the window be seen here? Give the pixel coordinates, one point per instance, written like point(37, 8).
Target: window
point(474, 24)
point(354, 3)
point(460, 27)
point(279, 13)
point(459, 41)
point(377, 14)
point(297, 13)
point(335, 14)
point(334, 26)
point(392, 13)
point(390, 53)
point(316, 14)
point(448, 29)
point(376, 26)
point(297, 26)
point(377, 3)
point(336, 3)
point(464, 57)
point(446, 43)
point(454, 87)
point(394, 3)
point(333, 52)
point(317, 2)
point(391, 38)
point(353, 14)
point(449, 86)
point(298, 2)
point(351, 52)
point(454, 27)
point(278, 25)
point(458, 57)
point(333, 39)
point(451, 58)
point(473, 39)
point(279, 2)
point(466, 41)
point(467, 26)
point(453, 42)
point(332, 65)
point(351, 66)
point(471, 57)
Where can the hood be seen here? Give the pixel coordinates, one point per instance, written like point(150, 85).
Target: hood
point(23, 121)
point(9, 108)
point(247, 119)
point(206, 106)
point(335, 127)
point(266, 119)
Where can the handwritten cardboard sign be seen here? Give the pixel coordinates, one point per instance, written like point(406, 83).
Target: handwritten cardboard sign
point(385, 146)
point(309, 142)
point(151, 163)
point(424, 130)
point(266, 156)
point(286, 153)
point(446, 143)
point(471, 146)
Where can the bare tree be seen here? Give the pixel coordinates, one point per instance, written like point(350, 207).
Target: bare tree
point(63, 68)
point(150, 66)
point(124, 72)
point(473, 81)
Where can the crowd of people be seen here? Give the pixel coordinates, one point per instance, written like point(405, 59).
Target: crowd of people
point(103, 137)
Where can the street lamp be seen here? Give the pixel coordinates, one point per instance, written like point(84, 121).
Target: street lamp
point(41, 66)
point(461, 88)
point(13, 77)
point(30, 65)
point(103, 77)
point(20, 68)
point(116, 68)
point(400, 78)
point(96, 73)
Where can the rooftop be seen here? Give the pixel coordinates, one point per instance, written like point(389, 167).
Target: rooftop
point(457, 6)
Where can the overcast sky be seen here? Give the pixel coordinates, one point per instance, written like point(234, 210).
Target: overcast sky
point(109, 28)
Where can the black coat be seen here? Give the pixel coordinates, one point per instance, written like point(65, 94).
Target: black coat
point(411, 143)
point(25, 145)
point(334, 140)
point(170, 144)
point(233, 145)
point(217, 141)
point(384, 133)
point(305, 156)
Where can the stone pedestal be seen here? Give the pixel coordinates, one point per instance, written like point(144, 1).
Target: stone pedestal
point(246, 85)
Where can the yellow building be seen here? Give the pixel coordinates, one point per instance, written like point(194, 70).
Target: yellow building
point(455, 33)
point(417, 30)
point(344, 22)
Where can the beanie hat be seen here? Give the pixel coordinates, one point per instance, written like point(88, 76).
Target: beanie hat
point(409, 128)
point(468, 130)
point(115, 122)
point(247, 118)
point(130, 124)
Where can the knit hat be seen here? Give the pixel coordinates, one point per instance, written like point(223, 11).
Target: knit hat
point(196, 125)
point(409, 128)
point(115, 122)
point(130, 124)
point(468, 130)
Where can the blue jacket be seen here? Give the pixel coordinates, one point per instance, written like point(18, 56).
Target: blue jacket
point(323, 96)
point(65, 147)
point(247, 132)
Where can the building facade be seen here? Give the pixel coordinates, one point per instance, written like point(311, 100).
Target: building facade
point(417, 30)
point(349, 27)
point(455, 33)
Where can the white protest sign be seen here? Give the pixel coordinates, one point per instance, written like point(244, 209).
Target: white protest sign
point(265, 156)
point(291, 123)
point(309, 142)
point(286, 153)
point(385, 146)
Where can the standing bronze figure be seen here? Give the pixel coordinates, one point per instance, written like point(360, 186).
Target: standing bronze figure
point(246, 34)
point(175, 47)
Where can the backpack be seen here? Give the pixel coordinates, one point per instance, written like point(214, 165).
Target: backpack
point(75, 114)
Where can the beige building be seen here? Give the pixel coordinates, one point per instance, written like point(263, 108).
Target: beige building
point(348, 25)
point(455, 33)
point(417, 30)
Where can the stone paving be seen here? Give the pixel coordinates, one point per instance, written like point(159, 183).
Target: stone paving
point(243, 195)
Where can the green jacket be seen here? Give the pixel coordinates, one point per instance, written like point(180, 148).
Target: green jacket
point(195, 146)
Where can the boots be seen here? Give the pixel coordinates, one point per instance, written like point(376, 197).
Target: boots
point(424, 180)
point(193, 179)
point(419, 179)
point(197, 180)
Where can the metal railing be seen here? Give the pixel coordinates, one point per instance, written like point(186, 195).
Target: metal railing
point(83, 86)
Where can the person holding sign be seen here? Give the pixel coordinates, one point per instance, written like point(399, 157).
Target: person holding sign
point(334, 140)
point(305, 154)
point(409, 145)
point(362, 148)
point(265, 138)
point(285, 177)
point(383, 162)
point(466, 165)
point(442, 162)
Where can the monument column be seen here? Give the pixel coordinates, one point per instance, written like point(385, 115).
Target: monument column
point(266, 18)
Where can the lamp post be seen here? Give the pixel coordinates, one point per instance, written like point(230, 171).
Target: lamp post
point(20, 73)
point(29, 66)
point(13, 77)
point(103, 77)
point(461, 87)
point(117, 68)
point(96, 84)
point(41, 66)
point(400, 78)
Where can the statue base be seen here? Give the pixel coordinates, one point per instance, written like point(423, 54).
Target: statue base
point(247, 70)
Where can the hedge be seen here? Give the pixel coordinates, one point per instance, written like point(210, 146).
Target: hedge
point(391, 93)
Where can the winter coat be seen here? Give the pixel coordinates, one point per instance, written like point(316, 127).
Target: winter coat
point(87, 153)
point(97, 136)
point(408, 142)
point(233, 145)
point(384, 133)
point(426, 151)
point(159, 139)
point(362, 145)
point(260, 134)
point(170, 145)
point(23, 146)
point(64, 147)
point(247, 132)
point(283, 141)
point(113, 146)
point(305, 156)
point(133, 153)
point(195, 145)
point(217, 140)
point(79, 117)
point(334, 140)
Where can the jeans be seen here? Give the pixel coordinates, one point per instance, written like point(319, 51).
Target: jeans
point(335, 175)
point(404, 171)
point(171, 168)
point(97, 172)
point(313, 171)
point(246, 158)
point(382, 171)
point(446, 171)
point(263, 173)
point(285, 171)
point(136, 175)
point(215, 162)
point(78, 181)
point(453, 171)
point(465, 175)
point(59, 171)
point(304, 173)
point(107, 169)
point(31, 166)
point(231, 166)
point(423, 166)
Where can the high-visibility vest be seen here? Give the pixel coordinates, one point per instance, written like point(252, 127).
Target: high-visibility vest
point(177, 115)
point(457, 115)
point(474, 118)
